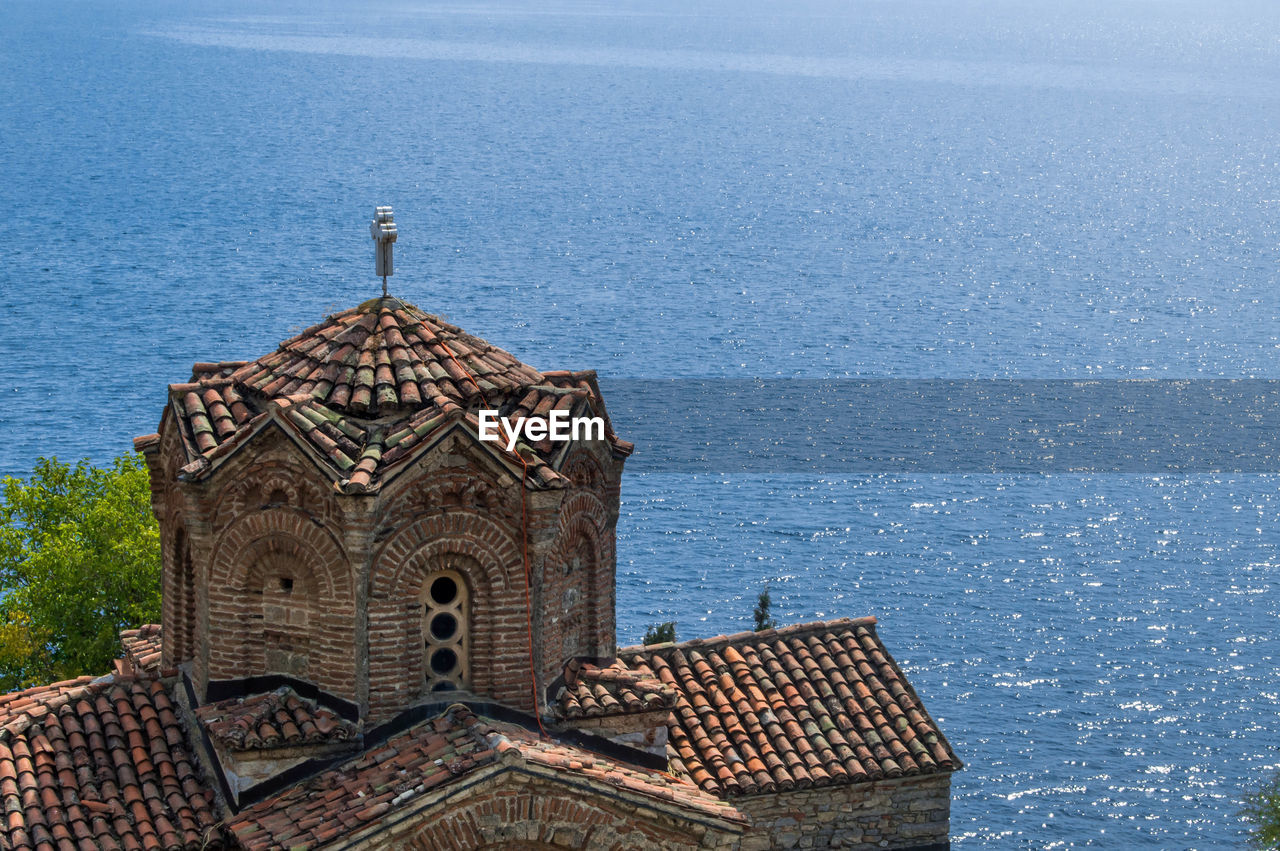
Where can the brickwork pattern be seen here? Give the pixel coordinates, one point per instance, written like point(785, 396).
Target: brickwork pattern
point(280, 600)
point(498, 640)
point(516, 812)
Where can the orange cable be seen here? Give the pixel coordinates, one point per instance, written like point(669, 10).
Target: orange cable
point(524, 540)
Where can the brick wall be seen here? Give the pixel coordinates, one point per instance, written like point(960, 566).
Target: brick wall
point(281, 600)
point(904, 813)
point(267, 570)
point(517, 810)
point(456, 510)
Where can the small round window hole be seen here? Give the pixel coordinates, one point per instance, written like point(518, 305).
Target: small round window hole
point(443, 626)
point(444, 590)
point(443, 661)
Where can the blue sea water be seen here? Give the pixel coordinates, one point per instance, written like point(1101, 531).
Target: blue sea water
point(864, 188)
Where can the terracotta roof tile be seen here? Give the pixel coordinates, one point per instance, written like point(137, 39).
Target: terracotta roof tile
point(432, 754)
point(275, 719)
point(81, 763)
point(591, 691)
point(809, 705)
point(369, 386)
point(142, 648)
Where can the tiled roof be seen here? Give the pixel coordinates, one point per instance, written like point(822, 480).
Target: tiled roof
point(277, 719)
point(431, 755)
point(100, 764)
point(367, 387)
point(18, 708)
point(591, 691)
point(385, 356)
point(142, 649)
point(808, 705)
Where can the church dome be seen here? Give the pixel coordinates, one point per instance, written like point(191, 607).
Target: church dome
point(368, 386)
point(387, 356)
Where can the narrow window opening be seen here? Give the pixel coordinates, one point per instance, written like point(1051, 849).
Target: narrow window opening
point(445, 613)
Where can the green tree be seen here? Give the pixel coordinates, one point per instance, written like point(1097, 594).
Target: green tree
point(1262, 810)
point(763, 603)
point(660, 633)
point(79, 561)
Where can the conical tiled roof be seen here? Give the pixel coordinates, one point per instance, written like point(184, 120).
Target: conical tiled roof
point(386, 356)
point(366, 387)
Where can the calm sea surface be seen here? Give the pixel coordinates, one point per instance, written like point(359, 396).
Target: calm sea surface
point(816, 190)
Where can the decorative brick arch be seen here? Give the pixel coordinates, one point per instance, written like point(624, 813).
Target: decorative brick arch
point(247, 538)
point(584, 469)
point(449, 489)
point(582, 505)
point(278, 482)
point(494, 578)
point(461, 532)
point(545, 817)
point(256, 627)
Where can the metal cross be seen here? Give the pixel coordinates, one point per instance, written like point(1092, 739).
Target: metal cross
point(383, 231)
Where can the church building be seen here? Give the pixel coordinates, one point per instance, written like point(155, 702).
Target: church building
point(381, 631)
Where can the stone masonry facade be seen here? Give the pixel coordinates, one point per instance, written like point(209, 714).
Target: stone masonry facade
point(907, 812)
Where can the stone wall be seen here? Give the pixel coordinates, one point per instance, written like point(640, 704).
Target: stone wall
point(904, 813)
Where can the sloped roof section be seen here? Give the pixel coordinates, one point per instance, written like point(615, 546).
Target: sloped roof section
point(384, 356)
point(276, 719)
point(100, 764)
point(429, 756)
point(142, 650)
point(367, 388)
point(809, 705)
point(594, 691)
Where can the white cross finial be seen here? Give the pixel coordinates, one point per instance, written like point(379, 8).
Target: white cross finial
point(383, 231)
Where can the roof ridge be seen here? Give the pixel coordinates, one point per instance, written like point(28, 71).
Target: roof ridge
point(788, 631)
point(385, 360)
point(19, 720)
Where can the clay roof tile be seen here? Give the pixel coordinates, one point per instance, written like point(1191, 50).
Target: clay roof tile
point(357, 794)
point(386, 361)
point(46, 732)
point(802, 706)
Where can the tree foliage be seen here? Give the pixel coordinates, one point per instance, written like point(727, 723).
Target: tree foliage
point(763, 619)
point(660, 633)
point(79, 561)
point(1262, 811)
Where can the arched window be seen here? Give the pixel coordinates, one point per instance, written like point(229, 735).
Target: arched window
point(185, 608)
point(445, 627)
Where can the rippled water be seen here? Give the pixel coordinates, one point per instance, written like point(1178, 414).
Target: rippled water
point(915, 189)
